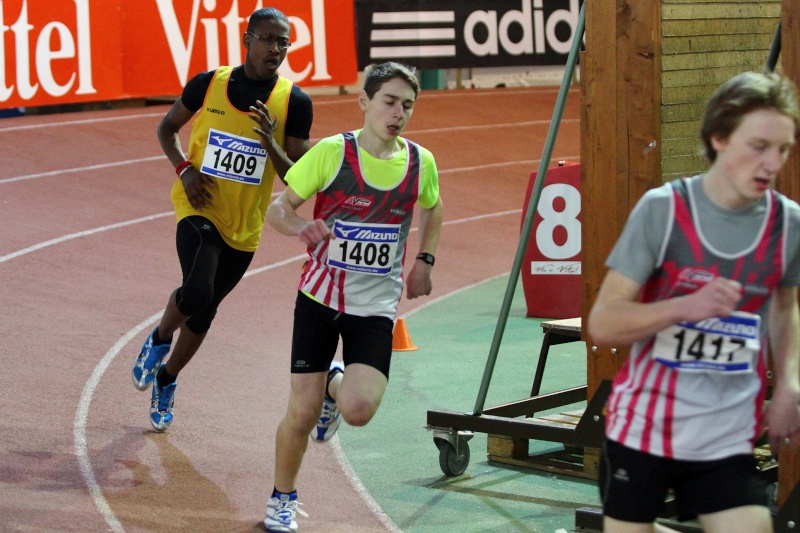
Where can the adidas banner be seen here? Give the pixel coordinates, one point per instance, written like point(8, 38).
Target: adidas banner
point(436, 34)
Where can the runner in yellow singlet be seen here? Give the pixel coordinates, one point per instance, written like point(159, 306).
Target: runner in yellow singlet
point(251, 125)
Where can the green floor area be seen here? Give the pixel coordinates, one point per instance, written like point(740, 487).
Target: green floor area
point(395, 456)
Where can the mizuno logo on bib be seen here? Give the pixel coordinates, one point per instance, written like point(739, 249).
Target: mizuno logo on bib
point(234, 158)
point(718, 344)
point(365, 248)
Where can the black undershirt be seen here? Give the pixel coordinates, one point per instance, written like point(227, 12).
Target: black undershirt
point(243, 93)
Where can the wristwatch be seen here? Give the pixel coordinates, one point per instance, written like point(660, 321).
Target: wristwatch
point(426, 258)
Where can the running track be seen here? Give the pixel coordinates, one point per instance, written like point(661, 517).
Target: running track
point(87, 260)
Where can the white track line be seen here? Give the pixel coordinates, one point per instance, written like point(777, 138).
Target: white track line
point(478, 93)
point(505, 125)
point(63, 238)
point(362, 491)
point(162, 157)
point(79, 424)
point(438, 299)
point(85, 233)
point(81, 121)
point(490, 165)
point(82, 169)
point(350, 100)
point(82, 412)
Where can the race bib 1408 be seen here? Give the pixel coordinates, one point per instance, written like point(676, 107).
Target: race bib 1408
point(234, 158)
point(718, 344)
point(365, 248)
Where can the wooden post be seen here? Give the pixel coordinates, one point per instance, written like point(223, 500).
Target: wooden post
point(620, 140)
point(789, 184)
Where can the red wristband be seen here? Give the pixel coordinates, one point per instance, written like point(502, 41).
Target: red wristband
point(183, 166)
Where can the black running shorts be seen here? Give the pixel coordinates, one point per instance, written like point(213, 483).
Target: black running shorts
point(317, 329)
point(634, 485)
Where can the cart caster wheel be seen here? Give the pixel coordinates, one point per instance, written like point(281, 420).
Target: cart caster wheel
point(449, 461)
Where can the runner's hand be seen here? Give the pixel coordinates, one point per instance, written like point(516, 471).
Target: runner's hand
point(266, 123)
point(196, 185)
point(782, 419)
point(314, 231)
point(419, 281)
point(718, 297)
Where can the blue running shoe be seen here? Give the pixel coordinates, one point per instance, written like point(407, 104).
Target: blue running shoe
point(162, 404)
point(146, 363)
point(330, 418)
point(281, 511)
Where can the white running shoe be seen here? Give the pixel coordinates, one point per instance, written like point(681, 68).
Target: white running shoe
point(330, 418)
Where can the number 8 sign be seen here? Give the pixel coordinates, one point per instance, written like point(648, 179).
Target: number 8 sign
point(552, 264)
point(552, 220)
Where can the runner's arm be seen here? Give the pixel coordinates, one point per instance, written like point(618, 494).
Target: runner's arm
point(419, 281)
point(783, 414)
point(282, 215)
point(167, 132)
point(618, 318)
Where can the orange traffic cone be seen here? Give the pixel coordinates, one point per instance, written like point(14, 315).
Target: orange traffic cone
point(401, 340)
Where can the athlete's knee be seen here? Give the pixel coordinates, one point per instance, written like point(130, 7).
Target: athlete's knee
point(358, 411)
point(201, 322)
point(750, 518)
point(297, 426)
point(194, 297)
point(301, 417)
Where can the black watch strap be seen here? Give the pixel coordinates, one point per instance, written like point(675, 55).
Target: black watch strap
point(426, 258)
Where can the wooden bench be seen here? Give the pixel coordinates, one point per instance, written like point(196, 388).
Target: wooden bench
point(573, 461)
point(555, 332)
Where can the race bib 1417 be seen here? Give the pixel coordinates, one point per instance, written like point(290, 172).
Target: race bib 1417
point(718, 344)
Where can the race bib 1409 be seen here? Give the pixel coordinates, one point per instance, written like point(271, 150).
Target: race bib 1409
point(234, 158)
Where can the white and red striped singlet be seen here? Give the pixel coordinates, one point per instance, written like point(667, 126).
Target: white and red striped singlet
point(374, 225)
point(686, 408)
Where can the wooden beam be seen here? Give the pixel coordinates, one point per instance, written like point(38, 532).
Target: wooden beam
point(603, 196)
point(789, 184)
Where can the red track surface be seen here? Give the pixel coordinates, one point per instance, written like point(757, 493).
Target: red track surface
point(87, 260)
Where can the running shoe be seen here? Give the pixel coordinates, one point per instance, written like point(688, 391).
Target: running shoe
point(281, 511)
point(148, 360)
point(162, 404)
point(330, 418)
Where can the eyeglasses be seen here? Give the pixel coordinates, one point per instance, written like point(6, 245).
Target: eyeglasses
point(282, 42)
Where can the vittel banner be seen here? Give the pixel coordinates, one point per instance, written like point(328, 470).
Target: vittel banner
point(67, 51)
point(469, 33)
